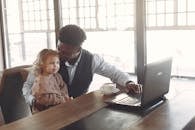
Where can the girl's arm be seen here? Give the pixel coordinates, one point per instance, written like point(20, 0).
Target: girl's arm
point(48, 99)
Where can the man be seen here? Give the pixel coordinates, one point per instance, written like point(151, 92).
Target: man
point(78, 65)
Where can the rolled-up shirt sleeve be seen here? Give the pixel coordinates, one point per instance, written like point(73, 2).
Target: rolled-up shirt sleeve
point(26, 90)
point(101, 67)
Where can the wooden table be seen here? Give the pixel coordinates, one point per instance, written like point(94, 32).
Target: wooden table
point(172, 115)
point(90, 112)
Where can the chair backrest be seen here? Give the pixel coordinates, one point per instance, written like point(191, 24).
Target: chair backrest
point(12, 102)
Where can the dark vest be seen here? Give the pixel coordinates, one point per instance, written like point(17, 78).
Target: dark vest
point(83, 75)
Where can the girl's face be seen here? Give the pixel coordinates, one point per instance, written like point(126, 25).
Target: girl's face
point(51, 65)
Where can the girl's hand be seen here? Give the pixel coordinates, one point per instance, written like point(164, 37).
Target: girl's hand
point(67, 98)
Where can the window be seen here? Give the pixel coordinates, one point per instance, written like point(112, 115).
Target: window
point(99, 15)
point(30, 28)
point(109, 25)
point(170, 31)
point(173, 14)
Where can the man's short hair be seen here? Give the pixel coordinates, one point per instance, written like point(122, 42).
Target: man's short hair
point(72, 34)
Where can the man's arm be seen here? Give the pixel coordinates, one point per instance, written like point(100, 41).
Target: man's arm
point(103, 68)
point(27, 88)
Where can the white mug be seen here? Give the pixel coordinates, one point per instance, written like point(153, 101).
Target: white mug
point(108, 88)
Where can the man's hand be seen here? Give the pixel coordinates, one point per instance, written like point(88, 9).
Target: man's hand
point(133, 88)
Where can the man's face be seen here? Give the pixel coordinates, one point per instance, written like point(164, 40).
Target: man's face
point(68, 52)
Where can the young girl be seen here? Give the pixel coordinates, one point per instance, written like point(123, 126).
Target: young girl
point(49, 88)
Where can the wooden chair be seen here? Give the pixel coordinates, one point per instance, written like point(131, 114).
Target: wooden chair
point(12, 102)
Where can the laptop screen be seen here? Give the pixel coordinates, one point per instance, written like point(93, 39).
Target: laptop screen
point(156, 80)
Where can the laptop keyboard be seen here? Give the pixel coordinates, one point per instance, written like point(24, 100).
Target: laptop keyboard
point(125, 99)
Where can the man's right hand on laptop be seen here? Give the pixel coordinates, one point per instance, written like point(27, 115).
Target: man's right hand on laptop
point(132, 87)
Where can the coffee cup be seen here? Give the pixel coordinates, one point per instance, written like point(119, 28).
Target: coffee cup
point(108, 88)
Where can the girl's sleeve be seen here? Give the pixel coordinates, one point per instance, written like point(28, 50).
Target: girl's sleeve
point(27, 87)
point(36, 86)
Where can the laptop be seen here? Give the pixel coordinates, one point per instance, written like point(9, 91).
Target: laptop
point(156, 85)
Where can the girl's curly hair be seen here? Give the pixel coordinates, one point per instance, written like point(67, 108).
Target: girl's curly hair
point(41, 58)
